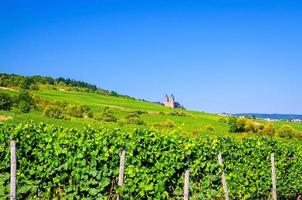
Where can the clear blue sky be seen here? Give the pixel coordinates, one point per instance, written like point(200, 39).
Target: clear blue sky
point(214, 56)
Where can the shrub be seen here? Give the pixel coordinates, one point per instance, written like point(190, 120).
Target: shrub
point(54, 111)
point(75, 111)
point(132, 115)
point(139, 112)
point(222, 120)
point(167, 124)
point(251, 126)
point(134, 118)
point(87, 112)
point(286, 131)
point(67, 117)
point(233, 125)
point(240, 125)
point(107, 109)
point(27, 83)
point(34, 87)
point(62, 104)
point(209, 128)
point(237, 125)
point(25, 101)
point(6, 102)
point(268, 129)
point(177, 113)
point(107, 117)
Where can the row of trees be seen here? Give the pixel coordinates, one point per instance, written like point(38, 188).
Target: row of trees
point(241, 125)
point(23, 81)
point(33, 82)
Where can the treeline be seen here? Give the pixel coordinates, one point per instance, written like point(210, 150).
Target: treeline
point(33, 83)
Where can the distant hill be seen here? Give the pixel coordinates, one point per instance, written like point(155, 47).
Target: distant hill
point(17, 81)
point(271, 116)
point(71, 103)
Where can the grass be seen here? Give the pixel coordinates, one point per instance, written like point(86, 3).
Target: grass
point(193, 123)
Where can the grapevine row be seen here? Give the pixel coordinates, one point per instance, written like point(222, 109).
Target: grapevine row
point(84, 164)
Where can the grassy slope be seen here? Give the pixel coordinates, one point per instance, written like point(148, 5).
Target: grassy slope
point(193, 123)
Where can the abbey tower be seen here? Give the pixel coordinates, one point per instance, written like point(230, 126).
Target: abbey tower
point(170, 102)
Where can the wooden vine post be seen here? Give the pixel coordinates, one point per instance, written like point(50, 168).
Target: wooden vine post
point(224, 183)
point(13, 169)
point(186, 185)
point(121, 172)
point(274, 189)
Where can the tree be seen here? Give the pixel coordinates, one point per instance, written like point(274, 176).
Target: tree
point(6, 102)
point(27, 83)
point(25, 101)
point(233, 124)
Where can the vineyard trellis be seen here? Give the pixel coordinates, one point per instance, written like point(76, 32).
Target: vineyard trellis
point(13, 183)
point(69, 163)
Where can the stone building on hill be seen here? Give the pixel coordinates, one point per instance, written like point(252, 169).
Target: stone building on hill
point(170, 102)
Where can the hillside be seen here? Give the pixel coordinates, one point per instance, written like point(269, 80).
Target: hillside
point(75, 152)
point(152, 114)
point(106, 109)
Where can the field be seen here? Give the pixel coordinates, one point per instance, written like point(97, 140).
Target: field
point(78, 158)
point(192, 123)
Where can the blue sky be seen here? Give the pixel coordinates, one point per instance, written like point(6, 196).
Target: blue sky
point(214, 56)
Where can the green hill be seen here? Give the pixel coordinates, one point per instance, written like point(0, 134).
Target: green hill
point(75, 100)
point(155, 116)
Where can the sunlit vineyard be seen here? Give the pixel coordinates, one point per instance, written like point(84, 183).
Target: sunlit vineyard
point(62, 163)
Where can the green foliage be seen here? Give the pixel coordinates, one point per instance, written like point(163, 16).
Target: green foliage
point(222, 120)
point(25, 101)
point(75, 111)
point(167, 123)
point(62, 110)
point(134, 118)
point(251, 126)
point(29, 84)
point(107, 117)
point(177, 113)
point(233, 124)
point(33, 83)
point(6, 102)
point(286, 131)
point(268, 129)
point(240, 125)
point(139, 112)
point(87, 112)
point(209, 128)
point(54, 111)
point(83, 164)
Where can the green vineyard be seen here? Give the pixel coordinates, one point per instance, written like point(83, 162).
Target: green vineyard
point(58, 163)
